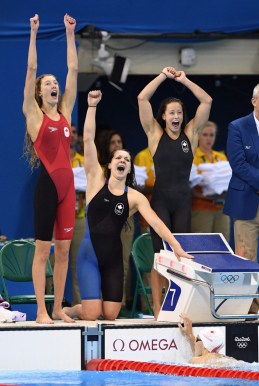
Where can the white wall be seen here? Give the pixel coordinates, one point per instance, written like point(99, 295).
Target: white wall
point(232, 56)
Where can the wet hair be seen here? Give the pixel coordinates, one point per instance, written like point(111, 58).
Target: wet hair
point(130, 180)
point(28, 149)
point(29, 153)
point(103, 145)
point(163, 107)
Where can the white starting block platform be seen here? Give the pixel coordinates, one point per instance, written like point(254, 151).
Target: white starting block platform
point(216, 284)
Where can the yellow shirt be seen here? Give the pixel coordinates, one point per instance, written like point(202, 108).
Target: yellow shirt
point(199, 158)
point(78, 161)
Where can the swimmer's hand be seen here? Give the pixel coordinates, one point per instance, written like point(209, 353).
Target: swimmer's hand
point(69, 22)
point(179, 252)
point(186, 327)
point(35, 22)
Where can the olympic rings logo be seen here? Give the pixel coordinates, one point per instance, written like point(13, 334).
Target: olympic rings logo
point(242, 344)
point(229, 278)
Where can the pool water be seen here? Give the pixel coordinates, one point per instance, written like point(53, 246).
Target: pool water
point(111, 378)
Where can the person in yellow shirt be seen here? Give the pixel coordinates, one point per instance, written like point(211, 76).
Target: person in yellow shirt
point(144, 158)
point(207, 215)
point(76, 160)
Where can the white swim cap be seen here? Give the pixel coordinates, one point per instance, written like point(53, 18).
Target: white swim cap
point(212, 338)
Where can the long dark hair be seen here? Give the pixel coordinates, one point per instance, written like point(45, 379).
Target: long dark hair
point(130, 180)
point(103, 144)
point(162, 109)
point(28, 149)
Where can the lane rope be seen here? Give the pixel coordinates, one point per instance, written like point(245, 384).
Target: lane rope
point(116, 365)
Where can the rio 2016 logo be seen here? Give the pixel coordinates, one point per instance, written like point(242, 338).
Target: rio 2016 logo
point(242, 342)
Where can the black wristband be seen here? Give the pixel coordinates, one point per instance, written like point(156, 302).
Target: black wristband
point(92, 106)
point(162, 72)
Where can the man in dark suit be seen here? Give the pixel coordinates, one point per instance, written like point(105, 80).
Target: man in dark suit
point(242, 202)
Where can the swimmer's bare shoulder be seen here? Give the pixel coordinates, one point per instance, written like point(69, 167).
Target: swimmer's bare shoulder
point(211, 358)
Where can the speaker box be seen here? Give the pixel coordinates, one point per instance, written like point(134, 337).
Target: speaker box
point(120, 69)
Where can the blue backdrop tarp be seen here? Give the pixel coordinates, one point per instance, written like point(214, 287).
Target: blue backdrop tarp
point(121, 16)
point(17, 181)
point(143, 16)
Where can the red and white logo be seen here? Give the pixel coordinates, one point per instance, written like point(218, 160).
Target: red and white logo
point(66, 131)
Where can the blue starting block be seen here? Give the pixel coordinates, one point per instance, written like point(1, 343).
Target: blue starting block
point(216, 284)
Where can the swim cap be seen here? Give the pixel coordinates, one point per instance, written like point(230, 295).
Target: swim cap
point(212, 338)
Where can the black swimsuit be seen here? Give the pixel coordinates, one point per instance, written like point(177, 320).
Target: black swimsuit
point(171, 198)
point(100, 260)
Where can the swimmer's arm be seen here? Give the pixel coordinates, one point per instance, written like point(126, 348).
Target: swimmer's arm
point(146, 115)
point(30, 105)
point(69, 97)
point(91, 163)
point(142, 204)
point(186, 328)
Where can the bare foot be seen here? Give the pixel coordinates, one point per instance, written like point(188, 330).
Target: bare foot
point(61, 315)
point(69, 312)
point(74, 312)
point(44, 319)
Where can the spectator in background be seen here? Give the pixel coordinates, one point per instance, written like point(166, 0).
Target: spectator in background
point(77, 160)
point(242, 201)
point(2, 237)
point(80, 144)
point(207, 211)
point(107, 142)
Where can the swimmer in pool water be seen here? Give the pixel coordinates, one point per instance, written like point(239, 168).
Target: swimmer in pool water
point(206, 345)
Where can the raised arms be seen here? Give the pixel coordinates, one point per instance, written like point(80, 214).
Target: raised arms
point(150, 124)
point(30, 107)
point(203, 111)
point(70, 93)
point(145, 109)
point(92, 167)
point(147, 119)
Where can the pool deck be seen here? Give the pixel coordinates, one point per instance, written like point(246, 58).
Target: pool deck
point(69, 346)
